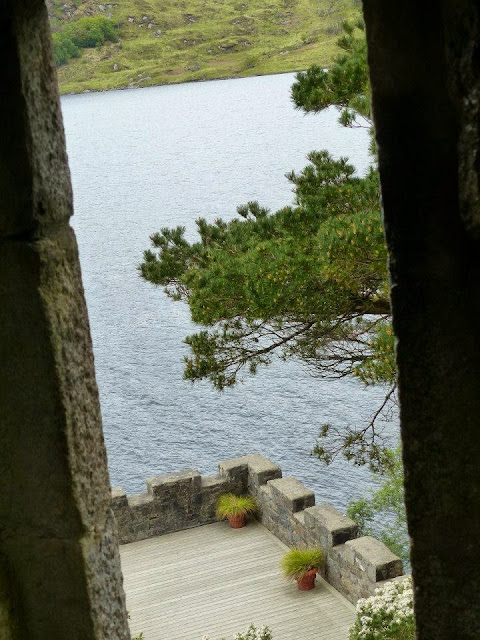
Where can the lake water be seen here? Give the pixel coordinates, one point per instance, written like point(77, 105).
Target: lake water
point(162, 156)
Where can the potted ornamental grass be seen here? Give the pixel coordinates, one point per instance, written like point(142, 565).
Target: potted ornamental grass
point(302, 564)
point(235, 509)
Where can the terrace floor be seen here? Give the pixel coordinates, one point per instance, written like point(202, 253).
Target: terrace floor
point(215, 580)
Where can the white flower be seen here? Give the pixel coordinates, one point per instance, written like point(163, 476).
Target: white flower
point(382, 615)
point(252, 633)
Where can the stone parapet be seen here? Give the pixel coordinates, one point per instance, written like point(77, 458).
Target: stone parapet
point(176, 501)
point(181, 500)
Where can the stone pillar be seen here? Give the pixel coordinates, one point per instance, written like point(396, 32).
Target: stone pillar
point(425, 77)
point(59, 564)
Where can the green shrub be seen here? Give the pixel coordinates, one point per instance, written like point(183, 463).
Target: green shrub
point(82, 34)
point(91, 32)
point(93, 38)
point(231, 505)
point(63, 48)
point(389, 503)
point(296, 562)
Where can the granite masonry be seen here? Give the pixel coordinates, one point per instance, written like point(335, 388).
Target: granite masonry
point(176, 501)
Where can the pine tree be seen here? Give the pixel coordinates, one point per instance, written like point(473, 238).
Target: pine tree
point(307, 282)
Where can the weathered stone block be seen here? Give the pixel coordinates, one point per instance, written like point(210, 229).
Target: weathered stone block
point(265, 493)
point(236, 471)
point(329, 525)
point(119, 498)
point(263, 498)
point(142, 503)
point(299, 517)
point(143, 511)
point(211, 488)
point(341, 555)
point(292, 494)
point(122, 514)
point(177, 491)
point(260, 471)
point(373, 557)
point(214, 484)
point(338, 572)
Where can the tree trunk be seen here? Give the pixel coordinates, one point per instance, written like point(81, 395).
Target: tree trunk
point(425, 74)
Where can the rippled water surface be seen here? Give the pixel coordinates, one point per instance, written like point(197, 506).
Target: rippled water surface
point(149, 158)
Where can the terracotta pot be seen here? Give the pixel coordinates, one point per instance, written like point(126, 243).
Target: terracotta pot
point(237, 522)
point(307, 581)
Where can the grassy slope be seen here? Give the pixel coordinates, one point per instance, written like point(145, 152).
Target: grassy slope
point(165, 41)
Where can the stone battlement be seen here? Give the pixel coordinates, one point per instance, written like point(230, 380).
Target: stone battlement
point(176, 501)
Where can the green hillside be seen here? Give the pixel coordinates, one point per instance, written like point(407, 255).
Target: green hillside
point(165, 41)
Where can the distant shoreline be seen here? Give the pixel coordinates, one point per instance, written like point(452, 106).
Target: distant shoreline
point(164, 84)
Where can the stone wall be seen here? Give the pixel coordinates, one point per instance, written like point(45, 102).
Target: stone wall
point(60, 573)
point(176, 501)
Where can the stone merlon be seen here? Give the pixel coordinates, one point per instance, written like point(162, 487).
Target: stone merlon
point(292, 494)
point(330, 525)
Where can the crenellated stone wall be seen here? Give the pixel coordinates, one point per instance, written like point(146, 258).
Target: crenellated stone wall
point(176, 501)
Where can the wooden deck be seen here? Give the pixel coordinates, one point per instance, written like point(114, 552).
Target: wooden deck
point(215, 580)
